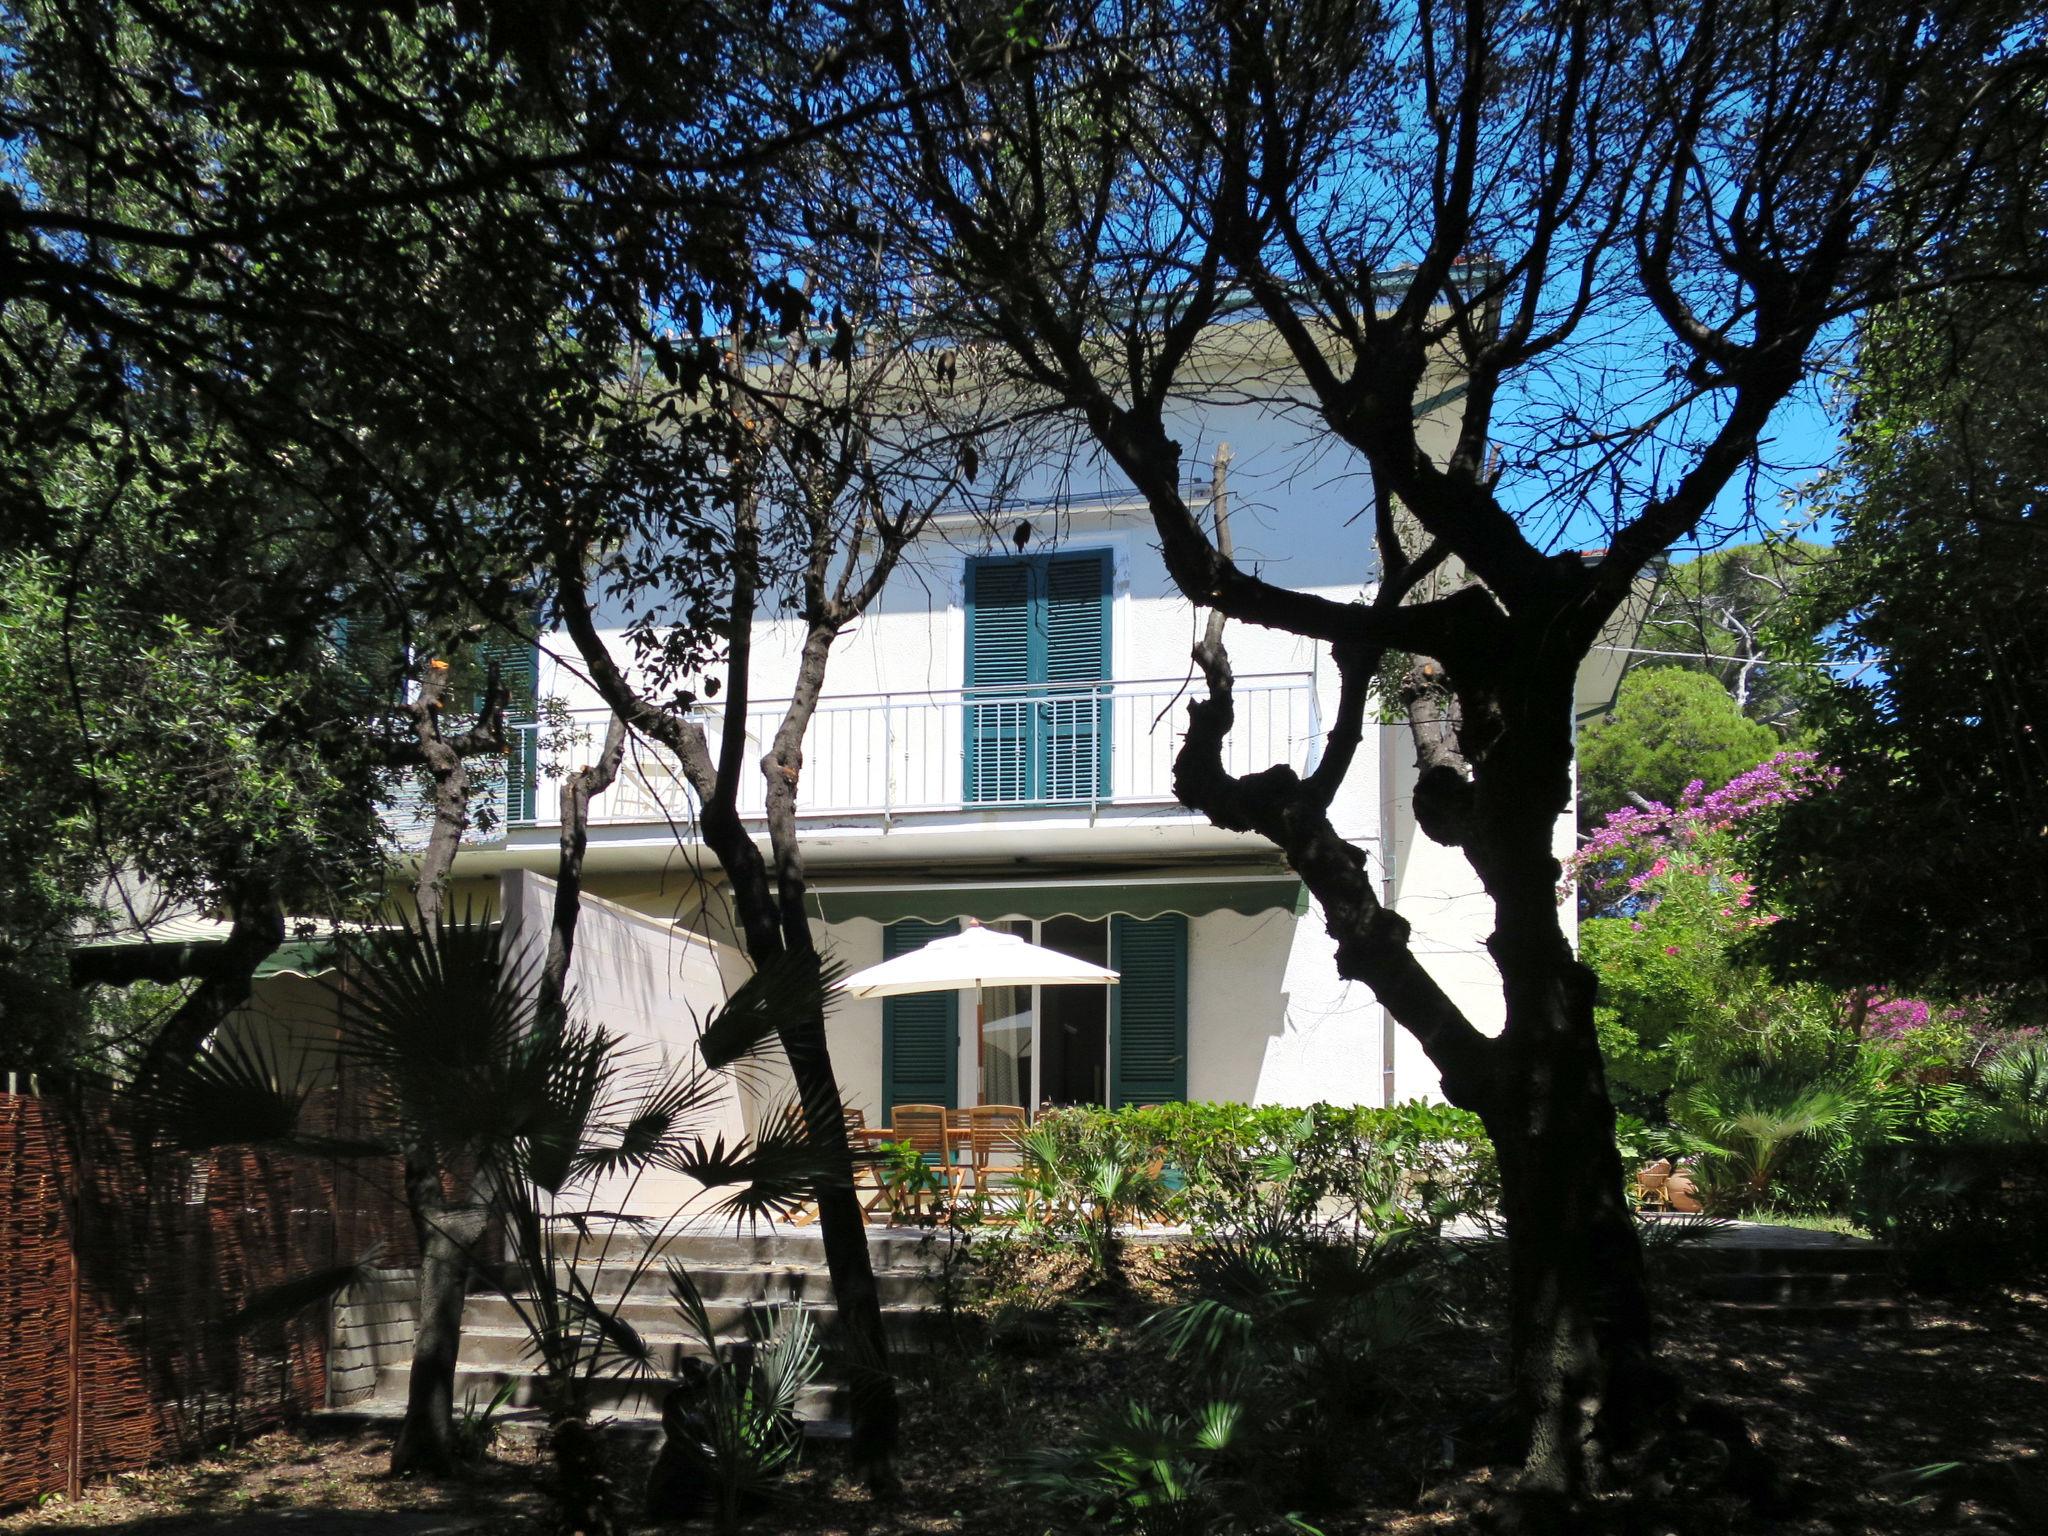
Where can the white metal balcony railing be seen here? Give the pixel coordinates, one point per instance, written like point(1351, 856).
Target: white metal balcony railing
point(885, 754)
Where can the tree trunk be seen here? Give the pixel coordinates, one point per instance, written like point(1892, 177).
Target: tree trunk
point(449, 1234)
point(841, 1222)
point(1581, 1334)
point(578, 789)
point(842, 1225)
point(224, 985)
point(770, 911)
point(1580, 1329)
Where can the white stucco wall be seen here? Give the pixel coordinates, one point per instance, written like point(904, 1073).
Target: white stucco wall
point(654, 986)
point(1270, 1020)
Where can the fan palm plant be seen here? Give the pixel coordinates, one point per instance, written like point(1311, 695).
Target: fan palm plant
point(1153, 1473)
point(1739, 1127)
point(748, 1433)
point(2014, 1082)
point(511, 1114)
point(1088, 1189)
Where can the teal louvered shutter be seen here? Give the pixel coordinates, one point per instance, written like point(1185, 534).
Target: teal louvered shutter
point(999, 707)
point(519, 671)
point(920, 1033)
point(1074, 718)
point(1148, 1011)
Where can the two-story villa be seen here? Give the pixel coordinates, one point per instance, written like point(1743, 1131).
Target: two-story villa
point(996, 744)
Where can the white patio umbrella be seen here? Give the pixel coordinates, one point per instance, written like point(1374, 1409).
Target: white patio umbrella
point(975, 957)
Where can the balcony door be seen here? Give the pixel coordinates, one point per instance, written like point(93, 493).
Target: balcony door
point(518, 663)
point(1037, 662)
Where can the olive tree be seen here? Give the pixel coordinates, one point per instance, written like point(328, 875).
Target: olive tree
point(1604, 242)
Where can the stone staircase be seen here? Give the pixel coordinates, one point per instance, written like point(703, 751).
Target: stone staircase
point(1795, 1277)
point(736, 1274)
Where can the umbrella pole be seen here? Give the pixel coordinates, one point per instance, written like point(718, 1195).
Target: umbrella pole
point(980, 1046)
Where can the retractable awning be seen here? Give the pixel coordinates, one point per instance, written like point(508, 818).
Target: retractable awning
point(1145, 896)
point(187, 933)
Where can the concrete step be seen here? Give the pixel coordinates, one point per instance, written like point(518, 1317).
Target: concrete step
point(888, 1247)
point(1848, 1313)
point(527, 1426)
point(492, 1335)
point(617, 1397)
point(613, 1279)
point(1806, 1287)
point(1845, 1256)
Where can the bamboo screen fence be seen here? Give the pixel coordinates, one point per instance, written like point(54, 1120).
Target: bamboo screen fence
point(122, 1277)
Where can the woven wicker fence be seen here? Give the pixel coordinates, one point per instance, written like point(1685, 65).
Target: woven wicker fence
point(121, 1278)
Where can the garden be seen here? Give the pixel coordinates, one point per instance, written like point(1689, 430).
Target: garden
point(1226, 1320)
point(707, 473)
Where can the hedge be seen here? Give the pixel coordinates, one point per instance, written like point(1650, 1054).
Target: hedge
point(1410, 1164)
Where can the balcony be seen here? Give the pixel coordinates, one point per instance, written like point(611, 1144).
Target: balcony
point(888, 756)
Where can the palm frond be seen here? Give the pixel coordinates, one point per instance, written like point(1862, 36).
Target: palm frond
point(236, 1092)
point(667, 1106)
point(566, 1070)
point(786, 1355)
point(690, 1301)
point(773, 1175)
point(602, 1322)
point(444, 1020)
point(746, 1027)
point(287, 1299)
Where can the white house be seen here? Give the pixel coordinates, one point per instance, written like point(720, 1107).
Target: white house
point(996, 743)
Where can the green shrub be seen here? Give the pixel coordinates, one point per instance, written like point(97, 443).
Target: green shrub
point(1964, 1200)
point(1153, 1473)
point(1960, 1214)
point(1411, 1165)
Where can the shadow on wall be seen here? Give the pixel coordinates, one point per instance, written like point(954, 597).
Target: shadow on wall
point(1237, 1002)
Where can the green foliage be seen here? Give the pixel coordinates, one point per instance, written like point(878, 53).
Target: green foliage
point(1736, 1127)
point(1927, 867)
point(1288, 1295)
point(1727, 607)
point(476, 1429)
point(1965, 1203)
point(910, 1183)
point(148, 733)
point(1414, 1164)
point(1306, 1329)
point(1086, 1180)
point(1669, 727)
point(744, 1407)
point(1681, 1000)
point(1152, 1473)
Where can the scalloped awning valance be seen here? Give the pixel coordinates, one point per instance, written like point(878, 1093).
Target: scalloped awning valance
point(1135, 896)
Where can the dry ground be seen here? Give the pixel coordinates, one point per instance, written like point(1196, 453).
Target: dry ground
point(1847, 1416)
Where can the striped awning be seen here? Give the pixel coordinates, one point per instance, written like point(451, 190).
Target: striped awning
point(1133, 896)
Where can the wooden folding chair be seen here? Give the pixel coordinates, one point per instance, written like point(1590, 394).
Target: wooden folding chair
point(869, 1187)
point(995, 1160)
point(859, 1142)
point(924, 1127)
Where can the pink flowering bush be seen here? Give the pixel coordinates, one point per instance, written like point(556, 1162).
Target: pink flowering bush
point(1685, 1009)
point(1619, 863)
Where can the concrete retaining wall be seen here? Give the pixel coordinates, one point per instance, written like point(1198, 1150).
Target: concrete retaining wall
point(374, 1323)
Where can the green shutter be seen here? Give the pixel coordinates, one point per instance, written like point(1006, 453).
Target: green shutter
point(1148, 1010)
point(999, 635)
point(920, 1033)
point(1075, 717)
point(1037, 638)
point(519, 671)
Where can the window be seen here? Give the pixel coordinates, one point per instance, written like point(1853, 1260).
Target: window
point(519, 672)
point(1034, 1046)
point(1037, 661)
